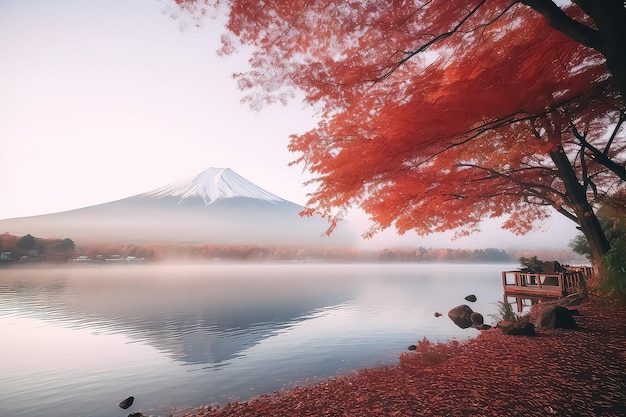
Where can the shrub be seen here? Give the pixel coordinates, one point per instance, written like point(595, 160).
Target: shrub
point(505, 312)
point(531, 264)
point(614, 283)
point(428, 354)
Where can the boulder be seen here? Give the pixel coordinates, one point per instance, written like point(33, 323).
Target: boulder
point(526, 329)
point(471, 298)
point(518, 328)
point(461, 316)
point(483, 327)
point(556, 317)
point(477, 319)
point(571, 300)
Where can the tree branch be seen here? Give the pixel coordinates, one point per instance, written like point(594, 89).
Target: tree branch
point(557, 19)
point(618, 125)
point(410, 54)
point(523, 184)
point(599, 156)
point(531, 192)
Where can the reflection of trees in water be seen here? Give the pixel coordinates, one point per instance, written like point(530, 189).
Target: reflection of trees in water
point(29, 296)
point(22, 288)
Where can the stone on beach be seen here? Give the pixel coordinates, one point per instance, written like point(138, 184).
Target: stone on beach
point(556, 317)
point(519, 328)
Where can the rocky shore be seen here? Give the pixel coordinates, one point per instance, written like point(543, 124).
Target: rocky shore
point(580, 372)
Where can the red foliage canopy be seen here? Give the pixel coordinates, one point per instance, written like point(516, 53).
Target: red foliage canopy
point(434, 114)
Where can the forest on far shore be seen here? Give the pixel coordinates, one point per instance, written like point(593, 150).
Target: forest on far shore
point(28, 248)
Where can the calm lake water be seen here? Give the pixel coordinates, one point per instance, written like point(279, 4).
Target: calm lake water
point(76, 340)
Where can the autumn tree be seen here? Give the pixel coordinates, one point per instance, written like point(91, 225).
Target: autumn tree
point(27, 242)
point(8, 243)
point(437, 114)
point(599, 25)
point(67, 244)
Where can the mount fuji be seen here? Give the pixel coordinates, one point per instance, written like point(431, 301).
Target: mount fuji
point(217, 206)
point(212, 185)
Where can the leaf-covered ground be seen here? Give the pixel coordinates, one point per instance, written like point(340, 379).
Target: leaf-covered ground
point(558, 372)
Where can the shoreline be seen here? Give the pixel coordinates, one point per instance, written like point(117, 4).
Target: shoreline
point(558, 372)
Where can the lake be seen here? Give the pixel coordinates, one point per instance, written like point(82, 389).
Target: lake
point(78, 339)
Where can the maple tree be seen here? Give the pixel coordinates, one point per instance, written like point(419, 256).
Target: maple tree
point(437, 114)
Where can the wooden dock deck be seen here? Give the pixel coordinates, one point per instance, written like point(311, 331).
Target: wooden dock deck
point(526, 289)
point(542, 284)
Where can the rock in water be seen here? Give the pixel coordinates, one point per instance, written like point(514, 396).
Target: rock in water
point(127, 402)
point(471, 298)
point(477, 319)
point(461, 316)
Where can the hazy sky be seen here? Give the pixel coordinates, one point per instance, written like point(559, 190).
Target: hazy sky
point(102, 100)
point(106, 99)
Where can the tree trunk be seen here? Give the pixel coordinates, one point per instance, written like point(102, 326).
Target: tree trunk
point(589, 223)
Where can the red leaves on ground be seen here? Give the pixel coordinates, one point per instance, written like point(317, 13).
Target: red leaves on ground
point(558, 372)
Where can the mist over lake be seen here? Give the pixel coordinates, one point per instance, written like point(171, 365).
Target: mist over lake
point(78, 339)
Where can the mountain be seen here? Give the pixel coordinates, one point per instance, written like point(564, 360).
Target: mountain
point(217, 206)
point(212, 185)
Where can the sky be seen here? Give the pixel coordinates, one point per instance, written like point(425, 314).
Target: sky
point(102, 100)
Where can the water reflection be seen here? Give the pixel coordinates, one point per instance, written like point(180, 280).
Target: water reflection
point(524, 303)
point(196, 317)
point(82, 338)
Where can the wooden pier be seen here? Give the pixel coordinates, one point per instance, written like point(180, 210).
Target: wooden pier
point(526, 289)
point(541, 284)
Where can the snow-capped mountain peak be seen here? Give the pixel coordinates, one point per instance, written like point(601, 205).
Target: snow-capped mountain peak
point(212, 185)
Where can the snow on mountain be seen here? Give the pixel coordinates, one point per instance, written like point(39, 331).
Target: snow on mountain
point(212, 185)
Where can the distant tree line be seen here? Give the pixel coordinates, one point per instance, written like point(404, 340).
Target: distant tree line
point(32, 248)
point(164, 252)
point(59, 250)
